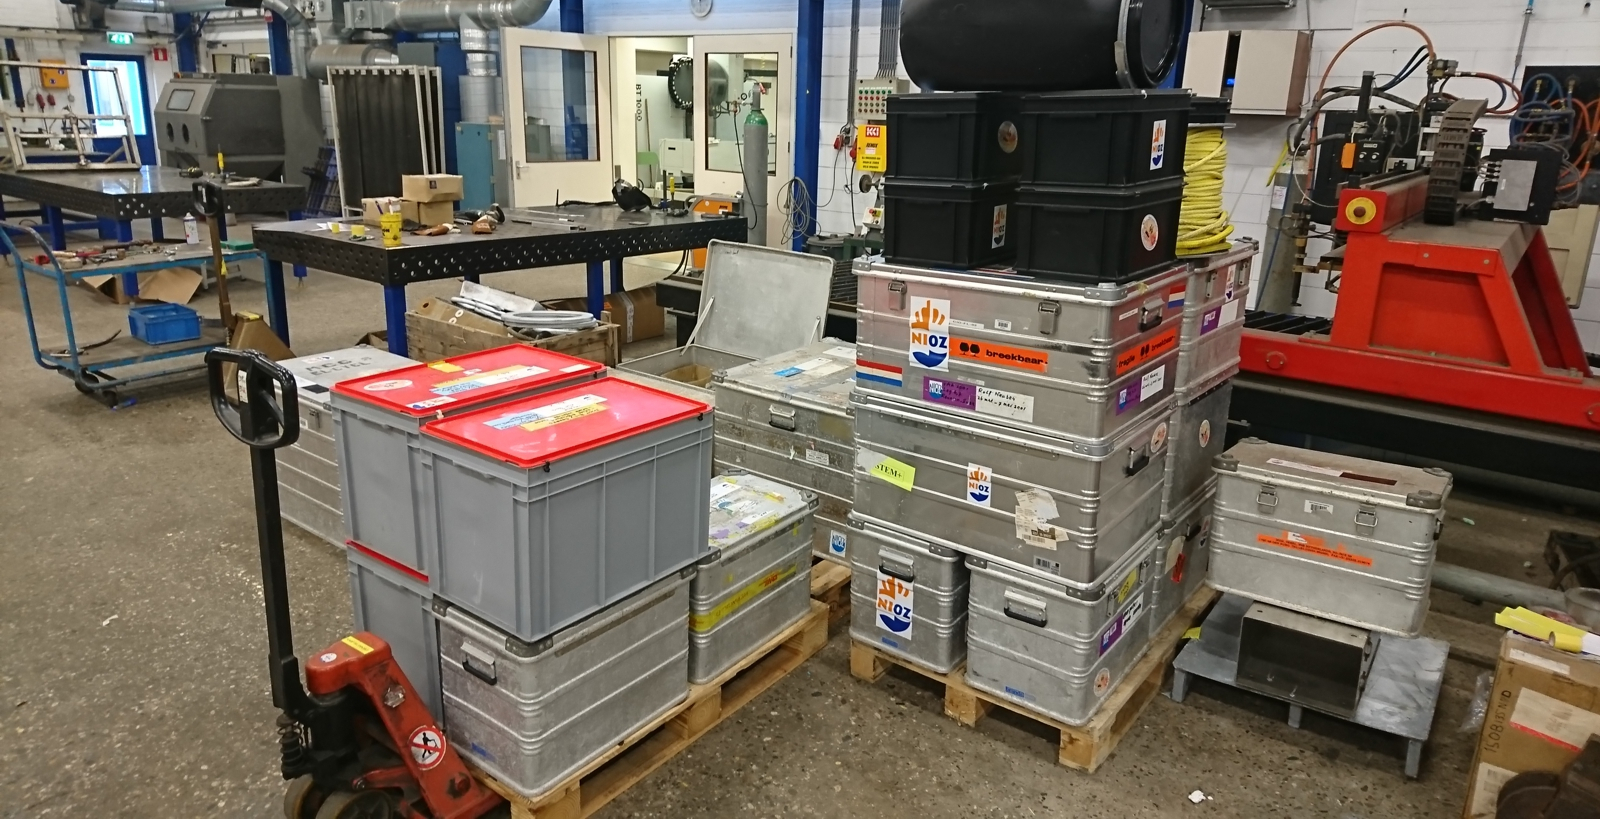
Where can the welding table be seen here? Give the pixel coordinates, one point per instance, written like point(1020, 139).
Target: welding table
point(117, 198)
point(591, 235)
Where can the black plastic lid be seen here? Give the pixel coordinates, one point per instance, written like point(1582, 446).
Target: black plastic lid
point(908, 189)
point(1112, 196)
point(1153, 28)
point(1121, 99)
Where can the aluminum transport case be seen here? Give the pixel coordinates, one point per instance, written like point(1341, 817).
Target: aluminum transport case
point(1213, 314)
point(1065, 507)
point(788, 418)
point(532, 714)
point(395, 604)
point(1048, 357)
point(1183, 557)
point(908, 598)
point(757, 580)
point(1331, 536)
point(754, 302)
point(552, 507)
point(1199, 434)
point(1054, 649)
point(377, 418)
point(308, 472)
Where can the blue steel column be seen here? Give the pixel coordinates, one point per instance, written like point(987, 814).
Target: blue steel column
point(394, 311)
point(277, 300)
point(572, 16)
point(187, 47)
point(278, 46)
point(808, 106)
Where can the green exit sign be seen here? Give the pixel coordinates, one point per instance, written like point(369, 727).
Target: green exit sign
point(122, 38)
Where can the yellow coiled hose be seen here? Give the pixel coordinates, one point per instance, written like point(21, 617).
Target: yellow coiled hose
point(1203, 225)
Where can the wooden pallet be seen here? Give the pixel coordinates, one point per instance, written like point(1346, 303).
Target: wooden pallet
point(648, 748)
point(1085, 747)
point(830, 583)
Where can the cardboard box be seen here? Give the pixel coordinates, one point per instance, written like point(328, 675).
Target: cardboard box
point(173, 285)
point(374, 207)
point(428, 213)
point(1544, 706)
point(638, 315)
point(437, 329)
point(431, 187)
point(250, 332)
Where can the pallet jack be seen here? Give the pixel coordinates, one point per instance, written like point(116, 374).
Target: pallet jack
point(356, 740)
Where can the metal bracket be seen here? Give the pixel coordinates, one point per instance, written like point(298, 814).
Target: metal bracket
point(1267, 499)
point(1049, 311)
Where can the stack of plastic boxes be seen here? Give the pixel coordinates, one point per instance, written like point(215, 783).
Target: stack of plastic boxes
point(530, 554)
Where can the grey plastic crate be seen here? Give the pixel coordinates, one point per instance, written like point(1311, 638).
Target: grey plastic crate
point(756, 581)
point(1032, 642)
point(396, 605)
point(891, 573)
point(377, 419)
point(538, 528)
point(1199, 434)
point(1183, 556)
point(532, 714)
point(1066, 507)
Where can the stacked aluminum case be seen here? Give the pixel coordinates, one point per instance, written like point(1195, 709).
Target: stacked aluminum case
point(308, 472)
point(908, 597)
point(788, 418)
point(756, 581)
point(1336, 537)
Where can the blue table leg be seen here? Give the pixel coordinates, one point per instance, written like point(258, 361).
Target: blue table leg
point(58, 226)
point(106, 229)
point(299, 269)
point(277, 303)
point(222, 228)
point(157, 231)
point(616, 276)
point(394, 310)
point(597, 288)
point(122, 231)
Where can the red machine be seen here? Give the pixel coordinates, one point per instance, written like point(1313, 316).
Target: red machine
point(1468, 315)
point(356, 740)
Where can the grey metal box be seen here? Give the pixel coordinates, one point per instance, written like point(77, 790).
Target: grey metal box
point(908, 598)
point(1035, 641)
point(532, 714)
point(755, 302)
point(1335, 537)
point(396, 605)
point(553, 507)
point(378, 418)
point(1067, 507)
point(1183, 556)
point(1303, 659)
point(1199, 434)
point(756, 581)
point(1048, 357)
point(788, 418)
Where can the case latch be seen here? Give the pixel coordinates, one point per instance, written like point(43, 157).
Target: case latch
point(1366, 518)
point(898, 290)
point(1049, 311)
point(1267, 499)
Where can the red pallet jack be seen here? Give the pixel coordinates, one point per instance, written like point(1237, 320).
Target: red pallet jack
point(357, 742)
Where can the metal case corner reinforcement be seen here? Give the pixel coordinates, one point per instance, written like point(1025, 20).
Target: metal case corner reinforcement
point(1342, 538)
point(908, 598)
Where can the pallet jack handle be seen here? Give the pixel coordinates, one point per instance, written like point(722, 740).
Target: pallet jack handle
point(265, 417)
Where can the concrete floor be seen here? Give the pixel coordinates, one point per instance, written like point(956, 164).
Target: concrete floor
point(132, 681)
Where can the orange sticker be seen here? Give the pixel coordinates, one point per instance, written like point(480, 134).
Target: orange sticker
point(1312, 545)
point(1020, 358)
point(1134, 356)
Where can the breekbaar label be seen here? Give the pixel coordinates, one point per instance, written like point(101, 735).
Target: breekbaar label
point(1313, 545)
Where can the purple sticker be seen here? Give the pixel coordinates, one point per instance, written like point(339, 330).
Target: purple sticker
point(1112, 635)
point(1210, 320)
point(1129, 396)
point(950, 393)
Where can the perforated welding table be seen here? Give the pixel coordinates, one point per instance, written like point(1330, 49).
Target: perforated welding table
point(575, 234)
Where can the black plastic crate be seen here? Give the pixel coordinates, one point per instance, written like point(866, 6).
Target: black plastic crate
point(1210, 111)
point(967, 138)
point(1103, 137)
point(944, 225)
point(1097, 234)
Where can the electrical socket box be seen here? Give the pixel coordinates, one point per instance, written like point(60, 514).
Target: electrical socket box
point(1260, 72)
point(54, 78)
point(872, 96)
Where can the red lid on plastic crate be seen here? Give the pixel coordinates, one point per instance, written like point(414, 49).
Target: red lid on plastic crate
point(532, 431)
point(466, 379)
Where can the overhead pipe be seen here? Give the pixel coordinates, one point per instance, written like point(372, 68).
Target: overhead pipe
point(1492, 588)
point(888, 41)
point(348, 55)
point(450, 15)
point(300, 34)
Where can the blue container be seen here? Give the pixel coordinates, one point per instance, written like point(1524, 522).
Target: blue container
point(163, 323)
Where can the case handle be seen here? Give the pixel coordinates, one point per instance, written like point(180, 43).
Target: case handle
point(469, 653)
point(1151, 313)
point(781, 417)
point(1033, 612)
point(905, 570)
point(1138, 459)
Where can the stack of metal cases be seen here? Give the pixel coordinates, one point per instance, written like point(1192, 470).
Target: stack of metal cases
point(551, 508)
point(308, 472)
point(908, 597)
point(1336, 537)
point(378, 421)
point(1182, 558)
point(1213, 314)
point(533, 713)
point(1059, 647)
point(788, 418)
point(756, 581)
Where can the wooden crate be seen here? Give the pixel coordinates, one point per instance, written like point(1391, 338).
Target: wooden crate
point(634, 758)
point(430, 337)
point(1085, 747)
point(830, 583)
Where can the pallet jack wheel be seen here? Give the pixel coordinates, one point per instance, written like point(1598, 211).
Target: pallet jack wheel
point(357, 805)
point(85, 381)
point(302, 799)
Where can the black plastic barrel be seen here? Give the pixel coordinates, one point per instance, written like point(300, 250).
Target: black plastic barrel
point(1039, 45)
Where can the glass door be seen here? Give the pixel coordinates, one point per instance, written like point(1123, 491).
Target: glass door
point(103, 98)
point(558, 116)
point(728, 70)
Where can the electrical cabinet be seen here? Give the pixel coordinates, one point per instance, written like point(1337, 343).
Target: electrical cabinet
point(1262, 72)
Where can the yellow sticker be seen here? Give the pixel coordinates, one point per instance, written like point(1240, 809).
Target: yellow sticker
point(445, 367)
point(352, 642)
point(1192, 634)
point(1129, 583)
point(564, 417)
point(903, 475)
point(704, 622)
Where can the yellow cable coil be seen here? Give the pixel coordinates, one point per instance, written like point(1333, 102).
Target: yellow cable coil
point(1203, 225)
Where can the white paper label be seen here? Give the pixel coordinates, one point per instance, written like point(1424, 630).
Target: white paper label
point(545, 412)
point(1230, 312)
point(1486, 790)
point(1035, 510)
point(1174, 551)
point(721, 488)
point(1158, 144)
point(1015, 406)
point(980, 485)
point(1002, 324)
point(965, 325)
point(575, 368)
point(805, 366)
point(896, 603)
point(1539, 662)
point(1315, 508)
point(1128, 315)
point(1279, 194)
point(1152, 383)
point(1554, 721)
point(1320, 470)
point(817, 456)
point(846, 353)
